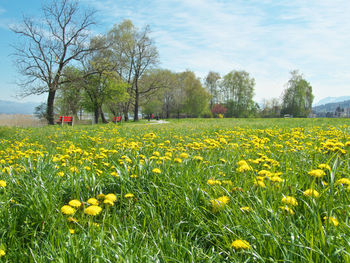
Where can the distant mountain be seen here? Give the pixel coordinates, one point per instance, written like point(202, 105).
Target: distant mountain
point(13, 107)
point(331, 100)
point(331, 107)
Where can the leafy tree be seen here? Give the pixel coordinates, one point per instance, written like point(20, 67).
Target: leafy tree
point(49, 44)
point(218, 109)
point(238, 89)
point(211, 83)
point(133, 52)
point(297, 98)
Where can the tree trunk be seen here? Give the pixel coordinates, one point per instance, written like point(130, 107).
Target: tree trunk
point(126, 116)
point(97, 113)
point(103, 116)
point(136, 109)
point(49, 109)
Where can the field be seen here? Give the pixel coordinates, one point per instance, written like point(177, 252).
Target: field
point(218, 190)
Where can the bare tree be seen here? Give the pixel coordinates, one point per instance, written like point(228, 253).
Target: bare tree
point(49, 44)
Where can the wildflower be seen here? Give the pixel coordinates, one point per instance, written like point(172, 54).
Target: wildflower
point(67, 210)
point(129, 195)
point(184, 155)
point(156, 154)
point(289, 200)
point(317, 173)
point(111, 197)
point(213, 182)
point(100, 196)
point(2, 253)
point(240, 244)
point(197, 158)
point(115, 174)
point(287, 209)
point(61, 174)
point(259, 183)
point(93, 210)
point(74, 169)
point(71, 231)
point(92, 201)
point(156, 171)
point(177, 160)
point(75, 203)
point(276, 179)
point(219, 203)
point(2, 183)
point(324, 166)
point(343, 181)
point(333, 220)
point(222, 160)
point(311, 193)
point(108, 202)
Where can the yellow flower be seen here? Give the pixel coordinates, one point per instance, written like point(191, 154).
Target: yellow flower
point(72, 219)
point(75, 203)
point(184, 155)
point(311, 193)
point(115, 174)
point(324, 166)
point(198, 158)
point(74, 169)
point(240, 244)
point(93, 210)
point(333, 220)
point(177, 160)
point(71, 231)
point(67, 210)
point(289, 200)
point(343, 181)
point(2, 253)
point(92, 201)
point(156, 171)
point(317, 173)
point(259, 183)
point(287, 209)
point(108, 202)
point(246, 209)
point(61, 174)
point(100, 196)
point(2, 183)
point(129, 195)
point(219, 203)
point(111, 197)
point(213, 182)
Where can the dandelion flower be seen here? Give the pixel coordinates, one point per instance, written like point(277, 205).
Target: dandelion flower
point(289, 200)
point(324, 166)
point(246, 209)
point(71, 231)
point(75, 203)
point(317, 173)
point(2, 183)
point(343, 181)
point(240, 244)
point(100, 196)
point(332, 220)
point(93, 210)
point(67, 210)
point(177, 160)
point(72, 219)
point(219, 203)
point(2, 253)
point(156, 171)
point(111, 197)
point(129, 195)
point(61, 174)
point(287, 209)
point(184, 155)
point(92, 201)
point(311, 193)
point(108, 202)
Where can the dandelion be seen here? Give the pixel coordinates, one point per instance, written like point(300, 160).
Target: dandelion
point(156, 171)
point(311, 193)
point(177, 160)
point(92, 201)
point(324, 166)
point(287, 209)
point(2, 183)
point(259, 183)
point(129, 195)
point(115, 174)
point(72, 219)
point(2, 253)
point(184, 155)
point(317, 173)
point(245, 209)
point(93, 210)
point(108, 202)
point(213, 182)
point(101, 196)
point(75, 203)
point(61, 174)
point(332, 220)
point(111, 197)
point(74, 169)
point(219, 203)
point(197, 158)
point(71, 231)
point(345, 181)
point(289, 200)
point(240, 244)
point(67, 210)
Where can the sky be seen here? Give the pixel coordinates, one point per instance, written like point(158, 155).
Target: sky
point(266, 38)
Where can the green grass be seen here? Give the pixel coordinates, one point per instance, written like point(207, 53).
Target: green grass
point(171, 216)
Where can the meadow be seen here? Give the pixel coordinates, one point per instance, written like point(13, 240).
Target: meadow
point(197, 190)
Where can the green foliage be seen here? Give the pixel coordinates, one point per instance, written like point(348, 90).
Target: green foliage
point(298, 97)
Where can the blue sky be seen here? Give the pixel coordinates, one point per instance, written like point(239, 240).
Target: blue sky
point(266, 38)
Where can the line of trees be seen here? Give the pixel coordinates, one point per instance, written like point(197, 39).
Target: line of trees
point(118, 73)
